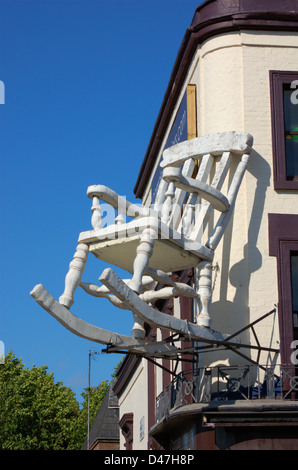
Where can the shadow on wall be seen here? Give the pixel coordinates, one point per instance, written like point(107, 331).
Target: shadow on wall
point(230, 316)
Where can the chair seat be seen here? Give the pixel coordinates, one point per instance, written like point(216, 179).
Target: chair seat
point(117, 245)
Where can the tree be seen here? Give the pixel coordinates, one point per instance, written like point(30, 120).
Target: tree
point(35, 413)
point(38, 414)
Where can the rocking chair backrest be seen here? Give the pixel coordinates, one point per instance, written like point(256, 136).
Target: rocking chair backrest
point(205, 163)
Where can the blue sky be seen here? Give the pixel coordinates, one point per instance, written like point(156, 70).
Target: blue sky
point(84, 82)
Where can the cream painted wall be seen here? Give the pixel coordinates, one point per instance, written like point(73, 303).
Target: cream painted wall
point(135, 400)
point(234, 94)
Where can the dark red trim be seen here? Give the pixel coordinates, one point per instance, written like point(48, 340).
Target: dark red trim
point(151, 401)
point(283, 240)
point(211, 18)
point(212, 10)
point(277, 80)
point(186, 313)
point(126, 426)
point(125, 372)
point(282, 227)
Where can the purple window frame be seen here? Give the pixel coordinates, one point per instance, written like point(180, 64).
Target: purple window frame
point(283, 241)
point(277, 81)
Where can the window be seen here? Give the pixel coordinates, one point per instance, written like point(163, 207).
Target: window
point(294, 279)
point(291, 134)
point(284, 114)
point(126, 426)
point(283, 244)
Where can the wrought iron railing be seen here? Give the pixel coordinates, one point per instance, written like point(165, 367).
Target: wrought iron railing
point(245, 382)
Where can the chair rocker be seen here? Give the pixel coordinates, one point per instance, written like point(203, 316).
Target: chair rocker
point(158, 240)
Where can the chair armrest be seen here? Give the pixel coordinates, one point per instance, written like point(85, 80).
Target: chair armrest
point(207, 192)
point(119, 203)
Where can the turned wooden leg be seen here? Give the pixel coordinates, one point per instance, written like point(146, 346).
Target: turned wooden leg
point(144, 251)
point(74, 275)
point(204, 291)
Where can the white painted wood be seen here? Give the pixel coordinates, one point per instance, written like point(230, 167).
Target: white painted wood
point(204, 292)
point(120, 219)
point(96, 219)
point(195, 201)
point(122, 342)
point(113, 235)
point(215, 144)
point(187, 219)
point(204, 207)
point(180, 186)
point(166, 256)
point(232, 194)
point(106, 194)
point(160, 197)
point(160, 276)
point(92, 332)
point(205, 191)
point(205, 167)
point(102, 292)
point(152, 316)
point(180, 196)
point(141, 262)
point(147, 296)
point(167, 205)
point(74, 275)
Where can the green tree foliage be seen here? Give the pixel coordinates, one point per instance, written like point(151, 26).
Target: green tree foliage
point(38, 414)
point(35, 413)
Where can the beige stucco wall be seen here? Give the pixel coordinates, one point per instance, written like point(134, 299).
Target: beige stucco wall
point(234, 94)
point(135, 400)
point(259, 58)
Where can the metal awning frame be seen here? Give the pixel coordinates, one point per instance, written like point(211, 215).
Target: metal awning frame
point(211, 345)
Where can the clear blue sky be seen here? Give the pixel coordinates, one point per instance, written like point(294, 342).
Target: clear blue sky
point(84, 82)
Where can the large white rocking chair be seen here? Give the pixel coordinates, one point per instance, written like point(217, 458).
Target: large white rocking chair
point(160, 239)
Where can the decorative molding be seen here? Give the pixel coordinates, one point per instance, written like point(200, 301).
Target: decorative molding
point(277, 80)
point(126, 426)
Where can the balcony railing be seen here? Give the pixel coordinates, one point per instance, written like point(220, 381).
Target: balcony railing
point(245, 382)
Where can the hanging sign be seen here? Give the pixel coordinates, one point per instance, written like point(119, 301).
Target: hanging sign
point(182, 129)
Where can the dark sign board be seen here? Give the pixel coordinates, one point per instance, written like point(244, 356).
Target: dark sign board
point(178, 134)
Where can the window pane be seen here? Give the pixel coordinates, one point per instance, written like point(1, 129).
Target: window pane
point(291, 129)
point(294, 277)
